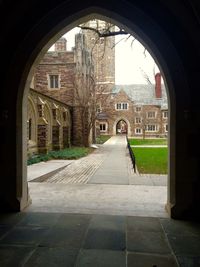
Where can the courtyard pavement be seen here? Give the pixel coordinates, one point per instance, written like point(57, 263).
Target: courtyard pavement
point(104, 182)
point(81, 224)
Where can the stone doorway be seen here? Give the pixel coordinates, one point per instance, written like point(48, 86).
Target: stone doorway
point(121, 127)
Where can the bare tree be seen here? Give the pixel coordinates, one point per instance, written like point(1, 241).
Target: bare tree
point(86, 99)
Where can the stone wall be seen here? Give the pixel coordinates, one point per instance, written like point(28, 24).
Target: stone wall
point(48, 124)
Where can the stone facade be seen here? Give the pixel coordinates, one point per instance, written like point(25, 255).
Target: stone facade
point(65, 77)
point(143, 114)
point(49, 123)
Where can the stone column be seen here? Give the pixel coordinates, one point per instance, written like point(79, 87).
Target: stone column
point(42, 129)
point(56, 145)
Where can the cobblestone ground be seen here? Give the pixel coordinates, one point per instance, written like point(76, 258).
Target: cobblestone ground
point(80, 170)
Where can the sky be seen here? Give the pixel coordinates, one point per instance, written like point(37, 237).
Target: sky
point(130, 61)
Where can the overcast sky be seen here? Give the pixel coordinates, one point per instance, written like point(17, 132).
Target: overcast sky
point(130, 61)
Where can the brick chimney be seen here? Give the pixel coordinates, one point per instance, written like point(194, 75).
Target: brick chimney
point(158, 90)
point(61, 45)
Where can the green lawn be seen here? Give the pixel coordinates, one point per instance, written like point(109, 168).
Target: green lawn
point(151, 160)
point(102, 139)
point(68, 153)
point(138, 142)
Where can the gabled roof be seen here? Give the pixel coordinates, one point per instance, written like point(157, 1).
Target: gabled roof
point(143, 94)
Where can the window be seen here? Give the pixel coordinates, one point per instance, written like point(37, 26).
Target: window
point(138, 131)
point(151, 114)
point(138, 109)
point(98, 108)
point(151, 128)
point(102, 127)
point(53, 81)
point(122, 106)
point(166, 128)
point(165, 114)
point(137, 120)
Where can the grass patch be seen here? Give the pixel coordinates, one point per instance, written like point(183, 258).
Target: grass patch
point(151, 160)
point(67, 153)
point(138, 142)
point(102, 139)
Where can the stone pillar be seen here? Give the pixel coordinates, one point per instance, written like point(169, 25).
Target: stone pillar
point(42, 129)
point(42, 138)
point(65, 136)
point(56, 145)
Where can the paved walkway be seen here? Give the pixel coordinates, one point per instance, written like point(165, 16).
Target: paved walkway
point(114, 169)
point(103, 182)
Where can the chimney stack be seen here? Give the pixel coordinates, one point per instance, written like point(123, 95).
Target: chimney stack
point(61, 45)
point(158, 90)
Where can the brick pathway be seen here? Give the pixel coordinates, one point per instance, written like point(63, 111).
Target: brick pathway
point(80, 170)
point(98, 167)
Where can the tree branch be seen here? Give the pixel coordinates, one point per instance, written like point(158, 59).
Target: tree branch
point(105, 32)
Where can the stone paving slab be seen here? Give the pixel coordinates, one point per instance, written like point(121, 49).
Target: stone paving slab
point(77, 240)
point(106, 232)
point(143, 260)
point(101, 258)
point(52, 257)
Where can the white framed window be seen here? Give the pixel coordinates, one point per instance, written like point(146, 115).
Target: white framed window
point(166, 128)
point(138, 131)
point(151, 128)
point(53, 80)
point(121, 106)
point(165, 114)
point(138, 120)
point(138, 109)
point(103, 127)
point(151, 114)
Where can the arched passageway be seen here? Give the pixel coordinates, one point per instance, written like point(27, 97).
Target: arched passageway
point(121, 127)
point(155, 32)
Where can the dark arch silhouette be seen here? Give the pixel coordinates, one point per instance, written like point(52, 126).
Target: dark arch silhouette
point(159, 26)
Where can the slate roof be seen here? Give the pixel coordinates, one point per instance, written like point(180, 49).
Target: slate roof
point(143, 94)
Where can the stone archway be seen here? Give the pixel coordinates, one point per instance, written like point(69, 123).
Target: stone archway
point(40, 32)
point(115, 22)
point(121, 126)
point(31, 127)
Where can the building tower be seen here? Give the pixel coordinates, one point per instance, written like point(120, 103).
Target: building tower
point(103, 55)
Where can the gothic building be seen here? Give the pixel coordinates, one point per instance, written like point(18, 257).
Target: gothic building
point(138, 110)
point(61, 100)
point(56, 98)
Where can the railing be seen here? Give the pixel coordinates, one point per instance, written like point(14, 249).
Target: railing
point(131, 154)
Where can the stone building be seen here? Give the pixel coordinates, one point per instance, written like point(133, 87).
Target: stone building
point(137, 110)
point(103, 54)
point(58, 89)
point(48, 124)
point(64, 77)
